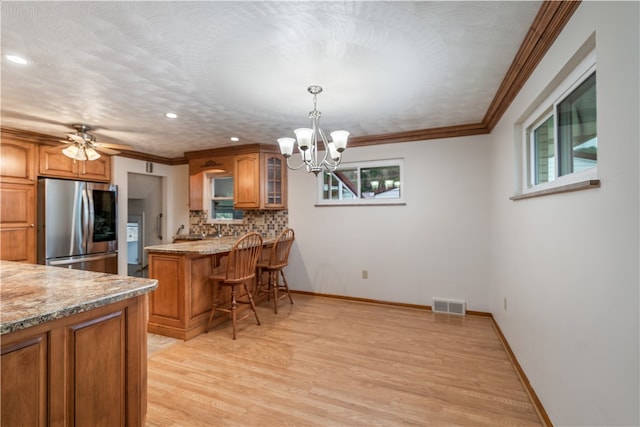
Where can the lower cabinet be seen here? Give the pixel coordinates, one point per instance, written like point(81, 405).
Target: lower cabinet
point(86, 369)
point(181, 305)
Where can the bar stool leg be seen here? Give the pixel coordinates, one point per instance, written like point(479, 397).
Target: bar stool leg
point(234, 309)
point(286, 286)
point(252, 303)
point(214, 304)
point(273, 279)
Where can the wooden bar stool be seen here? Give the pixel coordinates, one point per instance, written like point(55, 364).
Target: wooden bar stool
point(239, 269)
point(274, 264)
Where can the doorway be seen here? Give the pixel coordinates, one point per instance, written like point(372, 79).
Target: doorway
point(144, 220)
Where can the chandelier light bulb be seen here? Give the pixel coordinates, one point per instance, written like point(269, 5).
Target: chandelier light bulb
point(340, 139)
point(304, 137)
point(286, 146)
point(333, 151)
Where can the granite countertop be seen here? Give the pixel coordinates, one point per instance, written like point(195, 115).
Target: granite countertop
point(32, 294)
point(207, 246)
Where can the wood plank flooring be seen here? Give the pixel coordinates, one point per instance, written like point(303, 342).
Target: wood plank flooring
point(331, 362)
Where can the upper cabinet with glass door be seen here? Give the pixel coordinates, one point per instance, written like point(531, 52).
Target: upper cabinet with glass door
point(260, 181)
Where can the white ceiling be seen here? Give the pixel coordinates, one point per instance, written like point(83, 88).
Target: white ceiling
point(242, 68)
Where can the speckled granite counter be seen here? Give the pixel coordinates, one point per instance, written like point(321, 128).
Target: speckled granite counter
point(207, 246)
point(32, 294)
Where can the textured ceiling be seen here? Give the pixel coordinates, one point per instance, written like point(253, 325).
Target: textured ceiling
point(242, 68)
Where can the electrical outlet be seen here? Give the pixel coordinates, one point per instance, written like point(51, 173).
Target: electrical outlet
point(505, 303)
point(365, 274)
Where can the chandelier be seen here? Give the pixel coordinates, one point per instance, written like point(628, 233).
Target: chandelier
point(308, 142)
point(81, 145)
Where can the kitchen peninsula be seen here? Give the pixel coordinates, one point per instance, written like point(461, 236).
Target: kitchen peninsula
point(74, 348)
point(181, 305)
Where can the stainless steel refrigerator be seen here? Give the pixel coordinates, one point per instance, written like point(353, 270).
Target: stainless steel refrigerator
point(77, 225)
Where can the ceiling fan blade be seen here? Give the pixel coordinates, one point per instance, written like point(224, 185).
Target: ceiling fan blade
point(75, 138)
point(110, 145)
point(105, 150)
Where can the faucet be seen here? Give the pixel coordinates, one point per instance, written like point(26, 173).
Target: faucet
point(217, 226)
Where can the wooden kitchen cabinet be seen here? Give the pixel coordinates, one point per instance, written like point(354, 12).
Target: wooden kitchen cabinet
point(84, 369)
point(199, 168)
point(17, 222)
point(17, 162)
point(260, 181)
point(259, 176)
point(18, 195)
point(53, 163)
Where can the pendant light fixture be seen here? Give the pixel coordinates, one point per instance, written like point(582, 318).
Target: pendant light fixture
point(308, 140)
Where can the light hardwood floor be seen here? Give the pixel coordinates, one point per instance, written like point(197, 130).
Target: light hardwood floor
point(331, 362)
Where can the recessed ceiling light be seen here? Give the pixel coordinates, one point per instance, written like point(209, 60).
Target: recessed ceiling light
point(16, 59)
point(234, 139)
point(171, 115)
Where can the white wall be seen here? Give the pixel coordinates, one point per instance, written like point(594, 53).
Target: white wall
point(568, 263)
point(175, 205)
point(435, 246)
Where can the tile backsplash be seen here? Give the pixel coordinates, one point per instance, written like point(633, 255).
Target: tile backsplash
point(267, 223)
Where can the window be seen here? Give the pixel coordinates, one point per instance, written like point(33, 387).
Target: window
point(375, 182)
point(561, 136)
point(221, 200)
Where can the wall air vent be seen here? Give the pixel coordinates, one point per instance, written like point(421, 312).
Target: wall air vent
point(450, 306)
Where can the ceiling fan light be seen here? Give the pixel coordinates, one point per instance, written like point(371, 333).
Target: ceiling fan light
point(91, 154)
point(71, 151)
point(340, 139)
point(81, 154)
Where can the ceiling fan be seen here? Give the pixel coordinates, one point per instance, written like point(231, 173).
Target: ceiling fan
point(84, 146)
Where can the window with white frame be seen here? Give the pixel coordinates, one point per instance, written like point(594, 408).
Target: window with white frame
point(561, 135)
point(372, 182)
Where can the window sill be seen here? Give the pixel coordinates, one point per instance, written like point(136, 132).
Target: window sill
point(576, 186)
point(324, 205)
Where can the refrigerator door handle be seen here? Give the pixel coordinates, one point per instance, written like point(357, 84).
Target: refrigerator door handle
point(85, 217)
point(90, 213)
point(82, 259)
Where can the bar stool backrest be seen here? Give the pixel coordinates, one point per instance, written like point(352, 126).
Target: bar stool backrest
point(244, 255)
point(280, 252)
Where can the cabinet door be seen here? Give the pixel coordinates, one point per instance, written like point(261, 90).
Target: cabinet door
point(53, 163)
point(246, 181)
point(24, 382)
point(274, 181)
point(17, 161)
point(195, 191)
point(97, 365)
point(96, 170)
point(17, 223)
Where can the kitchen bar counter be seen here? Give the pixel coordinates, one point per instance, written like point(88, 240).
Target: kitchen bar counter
point(32, 294)
point(181, 305)
point(205, 246)
point(74, 346)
